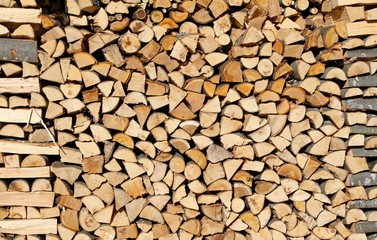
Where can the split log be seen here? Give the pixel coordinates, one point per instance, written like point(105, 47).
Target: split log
point(29, 226)
point(20, 15)
point(25, 172)
point(41, 199)
point(16, 147)
point(19, 85)
point(359, 104)
point(20, 115)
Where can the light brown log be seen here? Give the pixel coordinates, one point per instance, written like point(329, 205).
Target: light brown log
point(42, 199)
point(20, 15)
point(25, 172)
point(28, 148)
point(29, 226)
point(20, 115)
point(361, 29)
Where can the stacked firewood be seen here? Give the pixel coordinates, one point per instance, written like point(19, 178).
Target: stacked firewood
point(195, 119)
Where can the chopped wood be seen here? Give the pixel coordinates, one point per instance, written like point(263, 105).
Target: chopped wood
point(359, 104)
point(364, 227)
point(29, 226)
point(20, 15)
point(361, 29)
point(20, 115)
point(361, 152)
point(19, 147)
point(19, 85)
point(41, 199)
point(25, 172)
point(190, 119)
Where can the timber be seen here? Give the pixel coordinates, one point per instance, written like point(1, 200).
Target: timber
point(19, 85)
point(25, 172)
point(205, 119)
point(42, 199)
point(20, 115)
point(20, 147)
point(29, 226)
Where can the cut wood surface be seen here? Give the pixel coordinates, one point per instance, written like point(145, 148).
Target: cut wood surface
point(19, 85)
point(205, 119)
point(20, 115)
point(25, 172)
point(7, 146)
point(40, 199)
point(29, 226)
point(361, 29)
point(20, 15)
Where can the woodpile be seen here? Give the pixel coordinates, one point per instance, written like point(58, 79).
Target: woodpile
point(193, 119)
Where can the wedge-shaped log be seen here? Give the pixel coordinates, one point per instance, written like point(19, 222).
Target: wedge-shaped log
point(18, 147)
point(29, 226)
point(8, 115)
point(17, 50)
point(19, 85)
point(29, 199)
point(27, 172)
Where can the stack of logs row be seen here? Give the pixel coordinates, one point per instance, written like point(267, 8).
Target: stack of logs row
point(189, 120)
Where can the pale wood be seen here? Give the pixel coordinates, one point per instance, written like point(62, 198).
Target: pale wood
point(29, 226)
point(339, 3)
point(361, 29)
point(41, 199)
point(28, 147)
point(25, 172)
point(20, 15)
point(20, 115)
point(19, 85)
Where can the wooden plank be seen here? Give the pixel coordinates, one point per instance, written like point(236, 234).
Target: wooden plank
point(18, 50)
point(359, 104)
point(361, 29)
point(30, 199)
point(372, 203)
point(338, 3)
point(362, 179)
point(20, 15)
point(361, 54)
point(19, 85)
point(361, 81)
point(364, 227)
point(19, 147)
point(361, 129)
point(371, 14)
point(29, 115)
point(361, 152)
point(29, 226)
point(27, 172)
